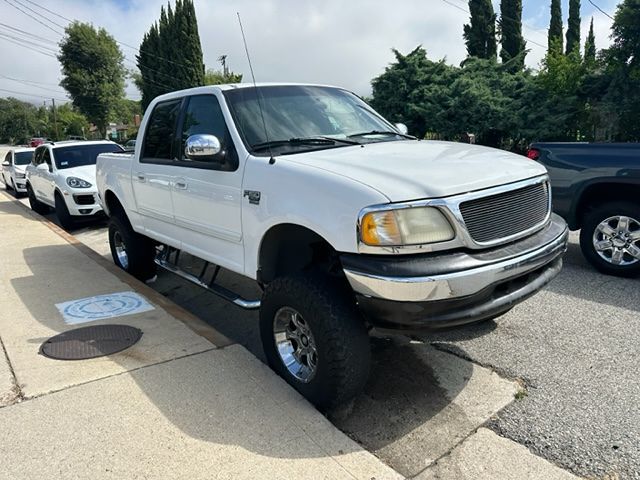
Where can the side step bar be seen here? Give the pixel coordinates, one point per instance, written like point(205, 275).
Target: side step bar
point(162, 261)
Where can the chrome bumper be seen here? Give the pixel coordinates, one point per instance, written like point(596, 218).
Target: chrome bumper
point(465, 282)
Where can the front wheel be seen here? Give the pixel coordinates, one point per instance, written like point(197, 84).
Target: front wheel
point(314, 337)
point(62, 212)
point(132, 252)
point(610, 238)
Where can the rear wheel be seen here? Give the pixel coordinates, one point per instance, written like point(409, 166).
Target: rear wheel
point(610, 238)
point(314, 338)
point(62, 211)
point(36, 205)
point(132, 252)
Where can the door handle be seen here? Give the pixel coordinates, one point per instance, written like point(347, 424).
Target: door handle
point(181, 185)
point(141, 177)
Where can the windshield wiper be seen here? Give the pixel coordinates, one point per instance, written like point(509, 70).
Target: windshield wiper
point(318, 140)
point(381, 132)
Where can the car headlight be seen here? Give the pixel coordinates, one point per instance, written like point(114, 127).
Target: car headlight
point(75, 182)
point(19, 175)
point(405, 226)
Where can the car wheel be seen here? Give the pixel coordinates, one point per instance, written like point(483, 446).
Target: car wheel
point(132, 252)
point(62, 212)
point(34, 203)
point(314, 337)
point(610, 238)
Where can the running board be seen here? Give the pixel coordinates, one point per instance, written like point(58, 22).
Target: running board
point(218, 290)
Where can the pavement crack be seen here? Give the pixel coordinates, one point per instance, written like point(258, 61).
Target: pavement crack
point(17, 395)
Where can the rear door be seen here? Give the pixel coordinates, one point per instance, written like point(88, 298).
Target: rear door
point(47, 183)
point(6, 170)
point(36, 174)
point(207, 192)
point(153, 173)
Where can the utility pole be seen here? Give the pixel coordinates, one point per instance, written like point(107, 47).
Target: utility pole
point(223, 60)
point(55, 117)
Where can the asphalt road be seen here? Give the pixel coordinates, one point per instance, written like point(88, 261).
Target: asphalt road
point(574, 345)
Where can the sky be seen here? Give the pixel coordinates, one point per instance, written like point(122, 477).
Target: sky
point(344, 43)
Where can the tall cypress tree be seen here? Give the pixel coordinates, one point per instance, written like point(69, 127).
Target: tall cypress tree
point(513, 44)
point(590, 48)
point(170, 55)
point(555, 27)
point(480, 34)
point(573, 30)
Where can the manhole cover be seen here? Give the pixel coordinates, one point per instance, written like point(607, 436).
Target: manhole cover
point(90, 342)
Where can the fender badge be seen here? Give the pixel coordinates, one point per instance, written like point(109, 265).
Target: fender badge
point(253, 196)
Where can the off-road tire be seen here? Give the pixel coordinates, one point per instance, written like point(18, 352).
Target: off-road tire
point(36, 205)
point(591, 220)
point(140, 250)
point(341, 337)
point(62, 212)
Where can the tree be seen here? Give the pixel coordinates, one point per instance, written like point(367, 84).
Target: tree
point(71, 121)
point(590, 48)
point(18, 121)
point(622, 67)
point(513, 44)
point(480, 34)
point(92, 71)
point(170, 55)
point(215, 77)
point(573, 29)
point(555, 26)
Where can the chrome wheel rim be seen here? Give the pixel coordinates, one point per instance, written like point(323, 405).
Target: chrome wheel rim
point(121, 251)
point(617, 240)
point(295, 344)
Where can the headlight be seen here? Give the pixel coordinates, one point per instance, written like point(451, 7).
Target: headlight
point(19, 175)
point(75, 182)
point(406, 226)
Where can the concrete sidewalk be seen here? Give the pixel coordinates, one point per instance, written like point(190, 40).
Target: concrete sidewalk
point(175, 405)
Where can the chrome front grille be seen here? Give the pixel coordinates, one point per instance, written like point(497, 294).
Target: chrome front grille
point(490, 219)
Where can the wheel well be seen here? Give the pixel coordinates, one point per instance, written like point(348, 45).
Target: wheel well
point(112, 203)
point(600, 193)
point(290, 248)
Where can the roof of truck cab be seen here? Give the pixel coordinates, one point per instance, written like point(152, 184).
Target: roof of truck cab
point(23, 149)
point(66, 143)
point(234, 86)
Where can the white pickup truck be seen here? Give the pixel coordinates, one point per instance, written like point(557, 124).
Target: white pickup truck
point(343, 220)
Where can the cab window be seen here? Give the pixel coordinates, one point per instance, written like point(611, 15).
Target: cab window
point(160, 133)
point(203, 115)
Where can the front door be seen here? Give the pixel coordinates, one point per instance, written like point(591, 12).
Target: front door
point(207, 192)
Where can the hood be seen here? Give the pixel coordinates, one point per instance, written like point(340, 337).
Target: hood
point(411, 170)
point(86, 172)
point(20, 168)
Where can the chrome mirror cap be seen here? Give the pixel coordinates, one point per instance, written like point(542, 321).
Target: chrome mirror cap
point(201, 146)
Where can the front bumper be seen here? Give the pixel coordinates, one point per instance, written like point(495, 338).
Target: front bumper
point(442, 290)
point(82, 202)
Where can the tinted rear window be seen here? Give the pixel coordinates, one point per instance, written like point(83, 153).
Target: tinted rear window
point(23, 158)
point(79, 155)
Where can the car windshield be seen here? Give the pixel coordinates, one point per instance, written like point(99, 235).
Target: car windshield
point(23, 158)
point(79, 155)
point(301, 118)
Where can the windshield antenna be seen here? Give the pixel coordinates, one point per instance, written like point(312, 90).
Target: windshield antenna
point(272, 160)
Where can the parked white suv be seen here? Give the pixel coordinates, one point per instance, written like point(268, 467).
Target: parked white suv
point(345, 222)
point(62, 175)
point(13, 169)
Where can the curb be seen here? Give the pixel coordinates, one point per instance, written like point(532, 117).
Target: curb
point(191, 321)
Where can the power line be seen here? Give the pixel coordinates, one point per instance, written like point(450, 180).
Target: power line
point(48, 54)
point(31, 17)
point(32, 95)
point(30, 84)
point(601, 10)
point(38, 13)
point(23, 32)
point(28, 42)
point(507, 18)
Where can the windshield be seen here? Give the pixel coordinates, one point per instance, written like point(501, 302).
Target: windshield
point(80, 155)
point(23, 158)
point(303, 112)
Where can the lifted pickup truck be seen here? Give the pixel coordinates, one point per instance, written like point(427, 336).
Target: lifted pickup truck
point(346, 222)
point(596, 188)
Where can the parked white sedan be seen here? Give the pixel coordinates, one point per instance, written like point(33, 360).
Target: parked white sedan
point(62, 175)
point(13, 169)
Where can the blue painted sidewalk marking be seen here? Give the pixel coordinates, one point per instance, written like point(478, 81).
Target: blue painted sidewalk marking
point(103, 306)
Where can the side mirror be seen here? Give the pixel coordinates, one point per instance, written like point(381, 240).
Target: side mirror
point(402, 128)
point(199, 147)
point(6, 164)
point(44, 166)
